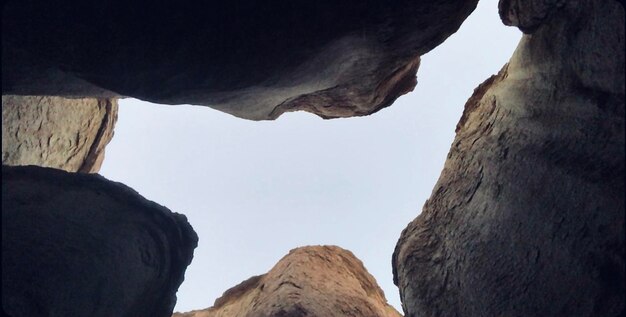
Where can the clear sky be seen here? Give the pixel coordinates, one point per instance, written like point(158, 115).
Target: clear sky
point(255, 190)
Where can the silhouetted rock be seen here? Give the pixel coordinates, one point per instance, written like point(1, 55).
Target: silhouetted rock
point(252, 59)
point(68, 134)
point(309, 281)
point(79, 245)
point(527, 218)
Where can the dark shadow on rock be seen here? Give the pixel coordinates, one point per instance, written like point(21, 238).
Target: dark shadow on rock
point(80, 245)
point(252, 59)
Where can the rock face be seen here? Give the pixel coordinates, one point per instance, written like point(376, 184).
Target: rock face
point(79, 245)
point(527, 218)
point(67, 134)
point(246, 58)
point(309, 281)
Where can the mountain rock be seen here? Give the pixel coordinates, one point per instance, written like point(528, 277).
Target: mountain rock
point(527, 217)
point(79, 245)
point(68, 134)
point(252, 59)
point(309, 281)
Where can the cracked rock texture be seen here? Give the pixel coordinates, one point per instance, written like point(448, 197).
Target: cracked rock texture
point(527, 218)
point(68, 134)
point(252, 59)
point(79, 245)
point(309, 281)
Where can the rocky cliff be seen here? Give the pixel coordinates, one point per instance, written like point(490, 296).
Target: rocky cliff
point(68, 134)
point(309, 281)
point(527, 218)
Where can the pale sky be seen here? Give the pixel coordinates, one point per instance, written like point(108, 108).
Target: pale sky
point(254, 190)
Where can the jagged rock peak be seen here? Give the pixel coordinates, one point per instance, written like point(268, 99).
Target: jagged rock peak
point(309, 281)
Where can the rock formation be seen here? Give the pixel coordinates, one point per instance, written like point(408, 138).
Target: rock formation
point(79, 245)
point(527, 218)
point(309, 281)
point(249, 59)
point(68, 134)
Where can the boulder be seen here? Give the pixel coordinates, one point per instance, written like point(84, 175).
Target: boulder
point(255, 60)
point(527, 217)
point(67, 134)
point(309, 281)
point(79, 245)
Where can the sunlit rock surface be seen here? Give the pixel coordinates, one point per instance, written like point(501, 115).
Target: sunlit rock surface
point(252, 59)
point(527, 218)
point(79, 245)
point(67, 134)
point(309, 281)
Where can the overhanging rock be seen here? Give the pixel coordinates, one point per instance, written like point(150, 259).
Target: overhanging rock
point(252, 59)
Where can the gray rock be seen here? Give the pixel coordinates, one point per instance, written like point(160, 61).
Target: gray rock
point(68, 134)
point(527, 218)
point(252, 59)
point(79, 245)
point(309, 281)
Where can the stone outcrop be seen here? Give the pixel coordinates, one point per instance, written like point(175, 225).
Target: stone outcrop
point(527, 218)
point(309, 281)
point(79, 245)
point(67, 134)
point(247, 58)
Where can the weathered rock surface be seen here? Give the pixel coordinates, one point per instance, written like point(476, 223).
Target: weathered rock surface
point(79, 245)
point(67, 134)
point(248, 58)
point(527, 218)
point(309, 281)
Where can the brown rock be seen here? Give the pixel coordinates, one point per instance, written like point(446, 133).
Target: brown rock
point(527, 218)
point(79, 245)
point(309, 281)
point(252, 59)
point(68, 134)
